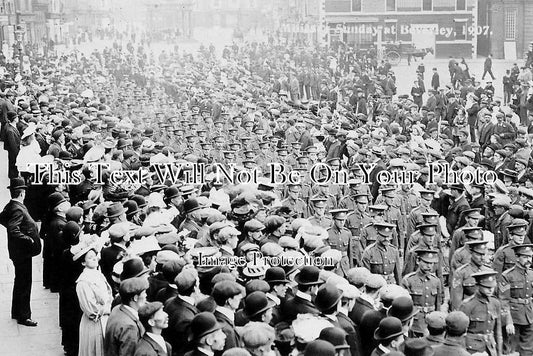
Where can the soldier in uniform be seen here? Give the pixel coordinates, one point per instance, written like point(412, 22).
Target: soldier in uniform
point(394, 216)
point(369, 232)
point(431, 217)
point(484, 331)
point(415, 216)
point(428, 233)
point(319, 218)
point(293, 201)
point(350, 201)
point(463, 285)
point(340, 238)
point(355, 221)
point(515, 291)
point(504, 257)
point(381, 257)
point(472, 218)
point(462, 255)
point(501, 204)
point(425, 288)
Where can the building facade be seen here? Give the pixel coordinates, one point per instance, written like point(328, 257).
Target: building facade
point(511, 23)
point(448, 27)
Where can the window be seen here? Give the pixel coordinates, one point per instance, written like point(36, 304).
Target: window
point(391, 5)
point(461, 5)
point(356, 5)
point(510, 24)
point(427, 5)
point(460, 29)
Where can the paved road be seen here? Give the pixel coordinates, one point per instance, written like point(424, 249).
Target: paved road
point(16, 340)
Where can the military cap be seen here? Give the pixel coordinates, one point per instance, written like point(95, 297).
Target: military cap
point(135, 285)
point(429, 214)
point(478, 246)
point(457, 323)
point(378, 207)
point(254, 225)
point(428, 229)
point(388, 192)
point(318, 201)
point(375, 281)
point(524, 249)
point(473, 213)
point(383, 228)
point(518, 227)
point(226, 289)
point(473, 232)
point(486, 278)
point(308, 276)
point(510, 173)
point(203, 324)
point(339, 214)
point(525, 191)
point(389, 328)
point(403, 308)
point(426, 192)
point(430, 256)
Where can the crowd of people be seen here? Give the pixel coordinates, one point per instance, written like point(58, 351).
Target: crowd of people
point(112, 160)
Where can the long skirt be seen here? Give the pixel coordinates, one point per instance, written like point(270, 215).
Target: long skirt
point(92, 336)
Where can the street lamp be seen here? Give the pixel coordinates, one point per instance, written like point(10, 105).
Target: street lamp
point(19, 35)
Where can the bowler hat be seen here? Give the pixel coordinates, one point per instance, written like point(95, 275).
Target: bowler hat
point(336, 336)
point(256, 303)
point(202, 324)
point(134, 267)
point(171, 192)
point(320, 348)
point(190, 205)
point(327, 297)
point(55, 199)
point(131, 207)
point(389, 328)
point(17, 183)
point(275, 275)
point(417, 347)
point(402, 308)
point(308, 276)
point(114, 210)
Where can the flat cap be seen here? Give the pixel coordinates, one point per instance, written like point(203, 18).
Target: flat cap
point(457, 323)
point(133, 285)
point(436, 320)
point(375, 281)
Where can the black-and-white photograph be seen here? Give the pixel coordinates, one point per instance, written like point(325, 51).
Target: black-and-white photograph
point(266, 177)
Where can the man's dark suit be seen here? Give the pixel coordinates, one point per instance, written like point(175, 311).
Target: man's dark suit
point(455, 211)
point(122, 333)
point(228, 327)
point(12, 146)
point(109, 257)
point(347, 325)
point(361, 306)
point(295, 306)
point(23, 243)
point(149, 347)
point(180, 314)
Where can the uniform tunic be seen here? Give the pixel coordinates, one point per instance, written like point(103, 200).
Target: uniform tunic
point(516, 296)
point(341, 239)
point(504, 258)
point(463, 284)
point(383, 260)
point(427, 294)
point(484, 331)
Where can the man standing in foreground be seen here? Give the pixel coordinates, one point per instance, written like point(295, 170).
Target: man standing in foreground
point(23, 243)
